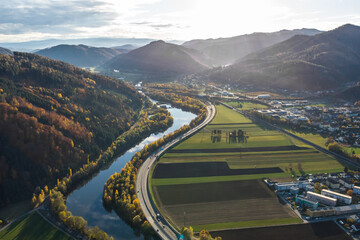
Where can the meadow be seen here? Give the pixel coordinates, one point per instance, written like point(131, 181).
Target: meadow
point(246, 105)
point(32, 227)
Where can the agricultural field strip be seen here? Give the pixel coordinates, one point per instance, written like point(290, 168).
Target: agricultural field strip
point(238, 149)
point(205, 169)
point(175, 181)
point(314, 231)
point(247, 224)
point(226, 199)
point(228, 211)
point(182, 155)
point(240, 161)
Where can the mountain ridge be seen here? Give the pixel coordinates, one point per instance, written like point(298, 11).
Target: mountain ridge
point(224, 51)
point(81, 55)
point(324, 61)
point(159, 57)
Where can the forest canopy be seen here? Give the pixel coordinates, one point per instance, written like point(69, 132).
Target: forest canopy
point(55, 116)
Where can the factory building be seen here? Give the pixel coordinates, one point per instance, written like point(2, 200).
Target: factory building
point(321, 198)
point(340, 197)
point(304, 202)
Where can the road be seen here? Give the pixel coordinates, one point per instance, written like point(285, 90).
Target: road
point(321, 149)
point(163, 228)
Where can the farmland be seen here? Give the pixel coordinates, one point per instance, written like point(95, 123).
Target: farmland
point(214, 177)
point(315, 231)
point(32, 227)
point(227, 202)
point(246, 105)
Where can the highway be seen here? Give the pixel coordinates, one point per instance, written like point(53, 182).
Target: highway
point(163, 228)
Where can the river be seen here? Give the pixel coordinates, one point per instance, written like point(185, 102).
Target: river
point(86, 201)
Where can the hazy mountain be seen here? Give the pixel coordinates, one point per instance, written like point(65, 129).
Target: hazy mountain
point(31, 46)
point(324, 61)
point(126, 46)
point(6, 51)
point(223, 51)
point(81, 55)
point(159, 58)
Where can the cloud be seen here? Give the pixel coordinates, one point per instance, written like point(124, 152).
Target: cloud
point(52, 16)
point(24, 20)
point(161, 25)
point(141, 23)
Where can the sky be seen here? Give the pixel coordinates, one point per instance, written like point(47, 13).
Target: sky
point(27, 20)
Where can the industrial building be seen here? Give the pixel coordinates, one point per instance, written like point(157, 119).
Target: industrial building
point(304, 202)
point(331, 211)
point(340, 197)
point(321, 198)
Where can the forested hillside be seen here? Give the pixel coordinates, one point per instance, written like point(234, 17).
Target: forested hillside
point(5, 51)
point(81, 55)
point(158, 58)
point(325, 61)
point(55, 117)
point(224, 51)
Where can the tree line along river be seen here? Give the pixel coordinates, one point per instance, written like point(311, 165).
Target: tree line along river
point(86, 201)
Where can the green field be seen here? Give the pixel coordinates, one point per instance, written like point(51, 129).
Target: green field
point(246, 105)
point(225, 115)
point(309, 160)
point(15, 210)
point(32, 227)
point(263, 148)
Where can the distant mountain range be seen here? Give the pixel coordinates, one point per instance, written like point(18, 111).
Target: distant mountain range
point(32, 46)
point(224, 51)
point(159, 58)
point(126, 46)
point(81, 55)
point(6, 51)
point(324, 61)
